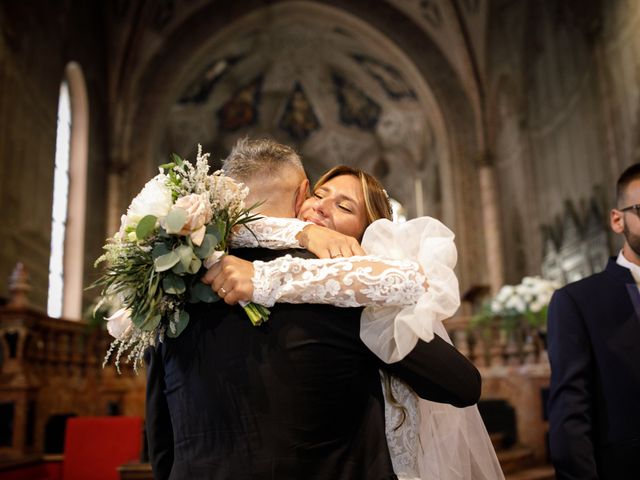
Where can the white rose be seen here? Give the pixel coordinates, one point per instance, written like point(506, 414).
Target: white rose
point(119, 322)
point(154, 199)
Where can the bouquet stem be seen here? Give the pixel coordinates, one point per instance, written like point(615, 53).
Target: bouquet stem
point(256, 313)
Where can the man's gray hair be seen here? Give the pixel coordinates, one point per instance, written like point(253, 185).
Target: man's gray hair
point(264, 156)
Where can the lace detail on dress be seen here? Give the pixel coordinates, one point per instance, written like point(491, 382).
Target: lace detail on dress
point(268, 232)
point(351, 282)
point(402, 427)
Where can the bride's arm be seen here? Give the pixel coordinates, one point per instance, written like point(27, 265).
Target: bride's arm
point(269, 232)
point(406, 299)
point(344, 282)
point(283, 233)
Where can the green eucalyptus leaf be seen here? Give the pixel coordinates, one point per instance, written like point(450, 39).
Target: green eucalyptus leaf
point(176, 326)
point(195, 265)
point(165, 262)
point(212, 229)
point(146, 322)
point(175, 220)
point(208, 246)
point(159, 249)
point(185, 252)
point(179, 269)
point(201, 292)
point(173, 284)
point(146, 226)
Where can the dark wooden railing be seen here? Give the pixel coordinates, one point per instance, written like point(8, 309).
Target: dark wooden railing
point(514, 367)
point(53, 367)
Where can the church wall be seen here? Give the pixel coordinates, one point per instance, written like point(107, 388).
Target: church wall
point(37, 40)
point(619, 56)
point(508, 145)
point(563, 114)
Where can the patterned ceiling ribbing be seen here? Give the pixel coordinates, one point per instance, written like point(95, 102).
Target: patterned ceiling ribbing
point(314, 84)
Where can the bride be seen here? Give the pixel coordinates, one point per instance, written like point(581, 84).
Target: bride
point(406, 281)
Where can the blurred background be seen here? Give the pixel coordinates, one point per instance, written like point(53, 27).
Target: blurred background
point(509, 120)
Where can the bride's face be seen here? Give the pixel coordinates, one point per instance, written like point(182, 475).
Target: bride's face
point(337, 204)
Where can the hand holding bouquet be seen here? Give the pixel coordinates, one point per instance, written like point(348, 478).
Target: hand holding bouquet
point(177, 226)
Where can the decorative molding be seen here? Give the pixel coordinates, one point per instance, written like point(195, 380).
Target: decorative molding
point(299, 120)
point(430, 11)
point(198, 92)
point(241, 110)
point(388, 77)
point(162, 14)
point(356, 108)
point(577, 244)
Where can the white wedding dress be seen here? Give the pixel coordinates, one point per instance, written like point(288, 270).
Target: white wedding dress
point(434, 441)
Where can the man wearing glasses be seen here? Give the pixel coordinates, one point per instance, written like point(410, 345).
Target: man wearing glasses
point(594, 350)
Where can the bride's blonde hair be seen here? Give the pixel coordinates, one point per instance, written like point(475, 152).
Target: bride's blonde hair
point(376, 200)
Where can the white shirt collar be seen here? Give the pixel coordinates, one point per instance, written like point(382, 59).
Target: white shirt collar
point(635, 269)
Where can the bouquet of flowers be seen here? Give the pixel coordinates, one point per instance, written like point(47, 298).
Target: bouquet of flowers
point(529, 299)
point(174, 229)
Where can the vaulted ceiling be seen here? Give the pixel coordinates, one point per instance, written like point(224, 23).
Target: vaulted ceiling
point(375, 84)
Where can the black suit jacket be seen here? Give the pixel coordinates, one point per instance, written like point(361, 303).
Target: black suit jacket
point(594, 404)
point(297, 398)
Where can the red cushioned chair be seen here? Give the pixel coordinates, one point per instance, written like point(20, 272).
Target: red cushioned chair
point(94, 447)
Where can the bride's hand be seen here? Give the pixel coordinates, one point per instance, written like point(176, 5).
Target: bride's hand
point(230, 279)
point(326, 243)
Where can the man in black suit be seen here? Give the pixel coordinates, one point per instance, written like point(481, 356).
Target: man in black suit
point(297, 398)
point(594, 349)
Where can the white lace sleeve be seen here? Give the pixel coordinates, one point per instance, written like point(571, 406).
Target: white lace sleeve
point(390, 283)
point(344, 282)
point(268, 232)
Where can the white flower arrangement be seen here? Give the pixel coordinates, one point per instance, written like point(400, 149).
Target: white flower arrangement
point(529, 299)
point(174, 229)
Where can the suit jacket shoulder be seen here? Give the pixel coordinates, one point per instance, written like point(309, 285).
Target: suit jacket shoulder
point(608, 289)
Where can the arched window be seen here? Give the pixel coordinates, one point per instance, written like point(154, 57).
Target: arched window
point(69, 198)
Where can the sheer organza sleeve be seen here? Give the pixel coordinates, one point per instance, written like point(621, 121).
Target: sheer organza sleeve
point(392, 331)
point(344, 282)
point(268, 232)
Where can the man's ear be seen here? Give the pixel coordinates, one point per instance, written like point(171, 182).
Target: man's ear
point(302, 193)
point(616, 220)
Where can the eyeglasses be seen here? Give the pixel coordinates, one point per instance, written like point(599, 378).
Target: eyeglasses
point(635, 208)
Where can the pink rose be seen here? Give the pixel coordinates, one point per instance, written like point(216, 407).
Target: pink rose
point(199, 213)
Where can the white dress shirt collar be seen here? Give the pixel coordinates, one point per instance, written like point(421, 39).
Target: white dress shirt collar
point(635, 269)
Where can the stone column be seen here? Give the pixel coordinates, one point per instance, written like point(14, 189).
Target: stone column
point(77, 205)
point(492, 224)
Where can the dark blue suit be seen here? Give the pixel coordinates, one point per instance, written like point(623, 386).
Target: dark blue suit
point(594, 403)
point(298, 398)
